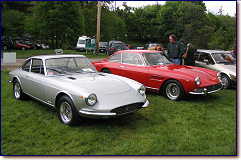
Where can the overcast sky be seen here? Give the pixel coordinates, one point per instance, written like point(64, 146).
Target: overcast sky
point(229, 7)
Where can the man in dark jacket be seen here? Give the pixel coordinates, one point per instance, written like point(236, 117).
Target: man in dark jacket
point(175, 50)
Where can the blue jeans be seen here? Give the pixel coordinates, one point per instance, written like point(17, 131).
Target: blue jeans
point(176, 61)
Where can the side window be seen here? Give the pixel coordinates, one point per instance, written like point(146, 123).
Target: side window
point(37, 66)
point(115, 58)
point(206, 58)
point(26, 65)
point(196, 55)
point(131, 58)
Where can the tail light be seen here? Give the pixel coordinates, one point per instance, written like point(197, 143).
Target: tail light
point(112, 49)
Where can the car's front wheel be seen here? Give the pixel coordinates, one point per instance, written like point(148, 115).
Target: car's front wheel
point(67, 112)
point(174, 90)
point(17, 91)
point(225, 81)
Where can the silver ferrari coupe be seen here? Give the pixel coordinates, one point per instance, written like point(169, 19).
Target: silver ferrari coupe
point(72, 85)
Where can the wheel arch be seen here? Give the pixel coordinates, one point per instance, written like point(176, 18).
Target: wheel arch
point(103, 69)
point(59, 95)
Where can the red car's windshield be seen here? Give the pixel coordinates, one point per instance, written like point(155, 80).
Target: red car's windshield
point(153, 59)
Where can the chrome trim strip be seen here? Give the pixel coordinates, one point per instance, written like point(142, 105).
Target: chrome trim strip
point(152, 88)
point(97, 114)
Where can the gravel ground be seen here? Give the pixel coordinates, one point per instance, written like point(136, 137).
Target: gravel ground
point(19, 62)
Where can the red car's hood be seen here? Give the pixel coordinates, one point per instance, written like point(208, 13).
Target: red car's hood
point(183, 70)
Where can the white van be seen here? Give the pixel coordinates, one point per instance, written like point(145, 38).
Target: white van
point(80, 46)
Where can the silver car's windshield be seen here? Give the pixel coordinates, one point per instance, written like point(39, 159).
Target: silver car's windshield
point(153, 59)
point(68, 65)
point(223, 58)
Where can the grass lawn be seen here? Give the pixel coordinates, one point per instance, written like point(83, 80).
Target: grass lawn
point(200, 125)
point(29, 53)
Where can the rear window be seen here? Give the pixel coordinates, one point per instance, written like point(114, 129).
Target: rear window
point(81, 42)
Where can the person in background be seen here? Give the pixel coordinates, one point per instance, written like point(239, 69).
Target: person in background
point(175, 50)
point(189, 55)
point(159, 47)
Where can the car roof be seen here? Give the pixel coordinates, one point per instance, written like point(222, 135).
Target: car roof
point(138, 51)
point(212, 51)
point(57, 56)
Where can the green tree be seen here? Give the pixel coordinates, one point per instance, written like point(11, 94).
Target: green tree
point(60, 21)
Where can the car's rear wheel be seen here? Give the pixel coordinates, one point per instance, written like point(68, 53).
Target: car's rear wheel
point(17, 91)
point(67, 112)
point(106, 71)
point(5, 47)
point(174, 90)
point(225, 81)
point(23, 48)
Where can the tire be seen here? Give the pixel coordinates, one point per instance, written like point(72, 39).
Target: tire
point(5, 47)
point(23, 48)
point(173, 90)
point(106, 71)
point(17, 91)
point(67, 112)
point(225, 81)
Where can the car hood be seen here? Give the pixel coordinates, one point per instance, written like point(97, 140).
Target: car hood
point(183, 70)
point(96, 83)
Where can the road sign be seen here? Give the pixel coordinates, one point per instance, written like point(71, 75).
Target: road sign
point(90, 44)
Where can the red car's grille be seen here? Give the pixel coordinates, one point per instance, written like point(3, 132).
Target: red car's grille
point(127, 108)
point(214, 87)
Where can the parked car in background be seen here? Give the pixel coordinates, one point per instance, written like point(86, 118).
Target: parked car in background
point(220, 61)
point(116, 46)
point(158, 74)
point(103, 46)
point(20, 44)
point(149, 45)
point(7, 43)
point(71, 84)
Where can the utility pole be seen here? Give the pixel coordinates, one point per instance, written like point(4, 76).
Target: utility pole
point(98, 28)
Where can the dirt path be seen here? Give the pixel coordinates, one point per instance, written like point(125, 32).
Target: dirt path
point(19, 62)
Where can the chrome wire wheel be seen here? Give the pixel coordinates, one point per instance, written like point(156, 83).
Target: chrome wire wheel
point(172, 91)
point(225, 81)
point(17, 91)
point(65, 112)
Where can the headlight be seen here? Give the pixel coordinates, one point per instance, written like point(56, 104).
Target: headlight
point(91, 99)
point(198, 81)
point(219, 76)
point(142, 90)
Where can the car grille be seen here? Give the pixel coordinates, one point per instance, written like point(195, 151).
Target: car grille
point(213, 87)
point(127, 108)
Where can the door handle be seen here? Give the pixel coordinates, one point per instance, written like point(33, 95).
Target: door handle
point(121, 66)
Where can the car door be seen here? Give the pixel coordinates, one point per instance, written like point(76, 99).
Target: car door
point(132, 67)
point(35, 79)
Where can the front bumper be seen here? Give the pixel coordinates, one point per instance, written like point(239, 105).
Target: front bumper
point(208, 89)
point(92, 114)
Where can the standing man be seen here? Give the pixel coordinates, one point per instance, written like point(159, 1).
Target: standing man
point(175, 50)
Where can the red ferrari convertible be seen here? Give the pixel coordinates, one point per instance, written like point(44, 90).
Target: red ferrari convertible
point(158, 74)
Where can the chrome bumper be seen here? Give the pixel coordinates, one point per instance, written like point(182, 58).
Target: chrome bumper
point(92, 114)
point(204, 91)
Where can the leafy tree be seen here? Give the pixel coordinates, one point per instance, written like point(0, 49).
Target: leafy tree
point(56, 20)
